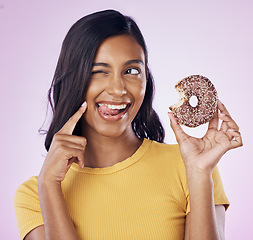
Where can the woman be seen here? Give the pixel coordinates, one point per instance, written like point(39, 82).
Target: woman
point(104, 177)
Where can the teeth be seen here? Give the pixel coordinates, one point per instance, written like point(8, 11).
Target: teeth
point(122, 106)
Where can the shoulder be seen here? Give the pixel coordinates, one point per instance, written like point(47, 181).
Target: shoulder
point(165, 155)
point(26, 190)
point(29, 185)
point(161, 150)
point(168, 166)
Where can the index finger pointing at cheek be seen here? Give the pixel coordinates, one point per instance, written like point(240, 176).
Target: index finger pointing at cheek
point(69, 126)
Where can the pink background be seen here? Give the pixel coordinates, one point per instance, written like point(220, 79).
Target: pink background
point(212, 38)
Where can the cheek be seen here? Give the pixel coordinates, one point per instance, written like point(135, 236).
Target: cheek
point(89, 98)
point(142, 92)
point(141, 97)
point(94, 89)
point(139, 92)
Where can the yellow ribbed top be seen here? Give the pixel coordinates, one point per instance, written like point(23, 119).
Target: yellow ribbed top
point(142, 197)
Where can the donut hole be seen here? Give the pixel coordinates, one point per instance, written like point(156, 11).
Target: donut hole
point(193, 101)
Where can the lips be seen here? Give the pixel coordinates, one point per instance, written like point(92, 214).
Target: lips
point(111, 111)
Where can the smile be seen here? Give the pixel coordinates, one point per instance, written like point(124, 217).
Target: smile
point(112, 111)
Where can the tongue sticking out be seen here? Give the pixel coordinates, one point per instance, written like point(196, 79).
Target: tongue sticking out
point(105, 110)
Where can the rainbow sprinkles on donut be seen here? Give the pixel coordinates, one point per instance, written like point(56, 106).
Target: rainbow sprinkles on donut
point(202, 88)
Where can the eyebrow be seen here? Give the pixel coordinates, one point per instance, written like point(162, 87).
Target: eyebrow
point(134, 61)
point(99, 64)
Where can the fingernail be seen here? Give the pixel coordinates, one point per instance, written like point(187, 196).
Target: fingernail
point(172, 120)
point(222, 114)
point(169, 115)
point(84, 104)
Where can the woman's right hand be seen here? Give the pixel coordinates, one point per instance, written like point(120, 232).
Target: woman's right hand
point(64, 150)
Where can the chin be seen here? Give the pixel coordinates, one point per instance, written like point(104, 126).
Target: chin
point(113, 131)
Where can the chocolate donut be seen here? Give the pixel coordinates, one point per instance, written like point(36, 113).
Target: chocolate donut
point(206, 94)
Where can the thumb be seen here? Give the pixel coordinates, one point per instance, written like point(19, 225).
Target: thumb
point(177, 129)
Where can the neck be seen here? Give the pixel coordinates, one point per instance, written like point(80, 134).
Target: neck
point(103, 151)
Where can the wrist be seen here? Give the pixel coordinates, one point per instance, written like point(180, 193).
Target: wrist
point(196, 176)
point(46, 176)
point(198, 171)
point(44, 182)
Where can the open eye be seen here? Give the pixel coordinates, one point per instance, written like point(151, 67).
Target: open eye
point(134, 71)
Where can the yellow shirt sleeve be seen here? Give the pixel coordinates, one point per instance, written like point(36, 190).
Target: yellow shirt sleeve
point(219, 193)
point(27, 207)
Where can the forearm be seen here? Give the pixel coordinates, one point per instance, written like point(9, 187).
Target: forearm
point(203, 222)
point(57, 222)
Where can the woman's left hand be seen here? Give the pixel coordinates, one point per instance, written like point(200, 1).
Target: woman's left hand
point(204, 153)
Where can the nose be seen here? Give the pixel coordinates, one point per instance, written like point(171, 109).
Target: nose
point(116, 86)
